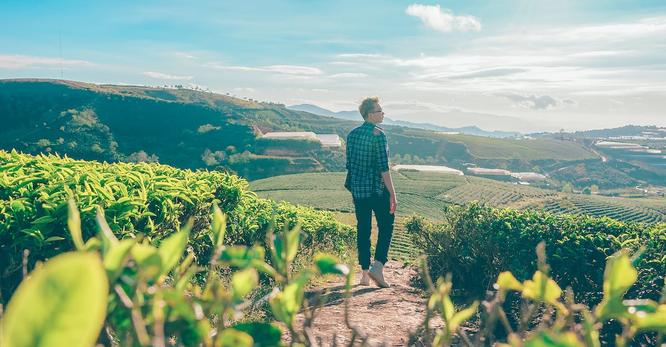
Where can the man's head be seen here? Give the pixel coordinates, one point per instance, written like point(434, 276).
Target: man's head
point(371, 111)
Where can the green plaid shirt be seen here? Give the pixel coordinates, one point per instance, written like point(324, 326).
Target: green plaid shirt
point(367, 158)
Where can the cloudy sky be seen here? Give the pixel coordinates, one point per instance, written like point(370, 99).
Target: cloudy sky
point(522, 65)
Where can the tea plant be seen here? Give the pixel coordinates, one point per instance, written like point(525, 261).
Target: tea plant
point(130, 293)
point(550, 316)
point(475, 243)
point(138, 200)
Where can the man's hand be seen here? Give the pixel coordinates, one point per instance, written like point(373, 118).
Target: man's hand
point(393, 204)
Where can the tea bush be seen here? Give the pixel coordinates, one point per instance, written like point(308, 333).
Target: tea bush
point(130, 293)
point(148, 200)
point(549, 316)
point(476, 243)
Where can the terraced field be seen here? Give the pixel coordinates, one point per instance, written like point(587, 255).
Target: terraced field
point(493, 193)
point(647, 211)
point(427, 193)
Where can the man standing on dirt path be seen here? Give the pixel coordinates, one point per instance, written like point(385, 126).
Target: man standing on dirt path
point(369, 181)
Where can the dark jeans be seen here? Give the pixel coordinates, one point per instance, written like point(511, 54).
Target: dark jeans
point(364, 207)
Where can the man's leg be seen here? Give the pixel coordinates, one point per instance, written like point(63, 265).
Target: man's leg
point(385, 226)
point(363, 210)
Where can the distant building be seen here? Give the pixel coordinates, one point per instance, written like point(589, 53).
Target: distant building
point(329, 140)
point(618, 145)
point(326, 140)
point(528, 176)
point(295, 135)
point(489, 172)
point(429, 168)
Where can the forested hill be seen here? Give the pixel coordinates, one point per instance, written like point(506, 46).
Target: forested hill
point(197, 129)
point(180, 127)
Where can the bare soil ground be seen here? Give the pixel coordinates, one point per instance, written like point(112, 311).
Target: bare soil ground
point(386, 316)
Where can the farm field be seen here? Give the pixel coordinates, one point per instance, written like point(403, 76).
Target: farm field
point(632, 210)
point(490, 148)
point(427, 193)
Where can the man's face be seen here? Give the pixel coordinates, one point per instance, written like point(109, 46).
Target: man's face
point(376, 115)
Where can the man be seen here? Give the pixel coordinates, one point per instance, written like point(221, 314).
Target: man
point(369, 181)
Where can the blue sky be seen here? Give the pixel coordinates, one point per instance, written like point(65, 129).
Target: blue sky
point(525, 65)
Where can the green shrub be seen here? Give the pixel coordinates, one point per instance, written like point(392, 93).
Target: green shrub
point(549, 316)
point(136, 294)
point(476, 243)
point(144, 199)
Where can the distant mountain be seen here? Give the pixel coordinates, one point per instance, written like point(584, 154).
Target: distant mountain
point(627, 130)
point(355, 116)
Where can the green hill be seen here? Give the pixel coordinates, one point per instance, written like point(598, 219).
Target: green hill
point(196, 129)
point(428, 193)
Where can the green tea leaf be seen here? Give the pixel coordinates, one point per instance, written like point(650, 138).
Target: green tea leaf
point(61, 304)
point(293, 237)
point(462, 315)
point(242, 256)
point(506, 281)
point(286, 303)
point(328, 264)
point(619, 276)
point(651, 321)
point(114, 260)
point(218, 226)
point(148, 259)
point(243, 281)
point(105, 233)
point(234, 338)
point(269, 335)
point(173, 247)
point(542, 288)
point(74, 225)
point(93, 244)
point(547, 339)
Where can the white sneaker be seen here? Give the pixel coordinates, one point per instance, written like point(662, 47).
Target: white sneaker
point(377, 274)
point(365, 279)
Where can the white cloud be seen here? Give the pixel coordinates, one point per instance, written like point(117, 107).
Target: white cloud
point(358, 55)
point(350, 75)
point(244, 90)
point(24, 61)
point(536, 102)
point(442, 20)
point(609, 59)
point(185, 55)
point(163, 76)
point(296, 70)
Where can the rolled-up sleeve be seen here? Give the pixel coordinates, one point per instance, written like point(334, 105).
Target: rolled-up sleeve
point(382, 153)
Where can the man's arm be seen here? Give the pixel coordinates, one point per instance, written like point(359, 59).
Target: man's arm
point(388, 182)
point(386, 173)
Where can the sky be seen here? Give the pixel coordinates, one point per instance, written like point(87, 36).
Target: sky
point(526, 65)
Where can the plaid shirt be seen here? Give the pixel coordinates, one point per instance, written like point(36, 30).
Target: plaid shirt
point(367, 158)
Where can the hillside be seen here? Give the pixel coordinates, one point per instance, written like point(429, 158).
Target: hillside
point(197, 129)
point(427, 194)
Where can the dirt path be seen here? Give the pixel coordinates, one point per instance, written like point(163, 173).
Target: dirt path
point(387, 315)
